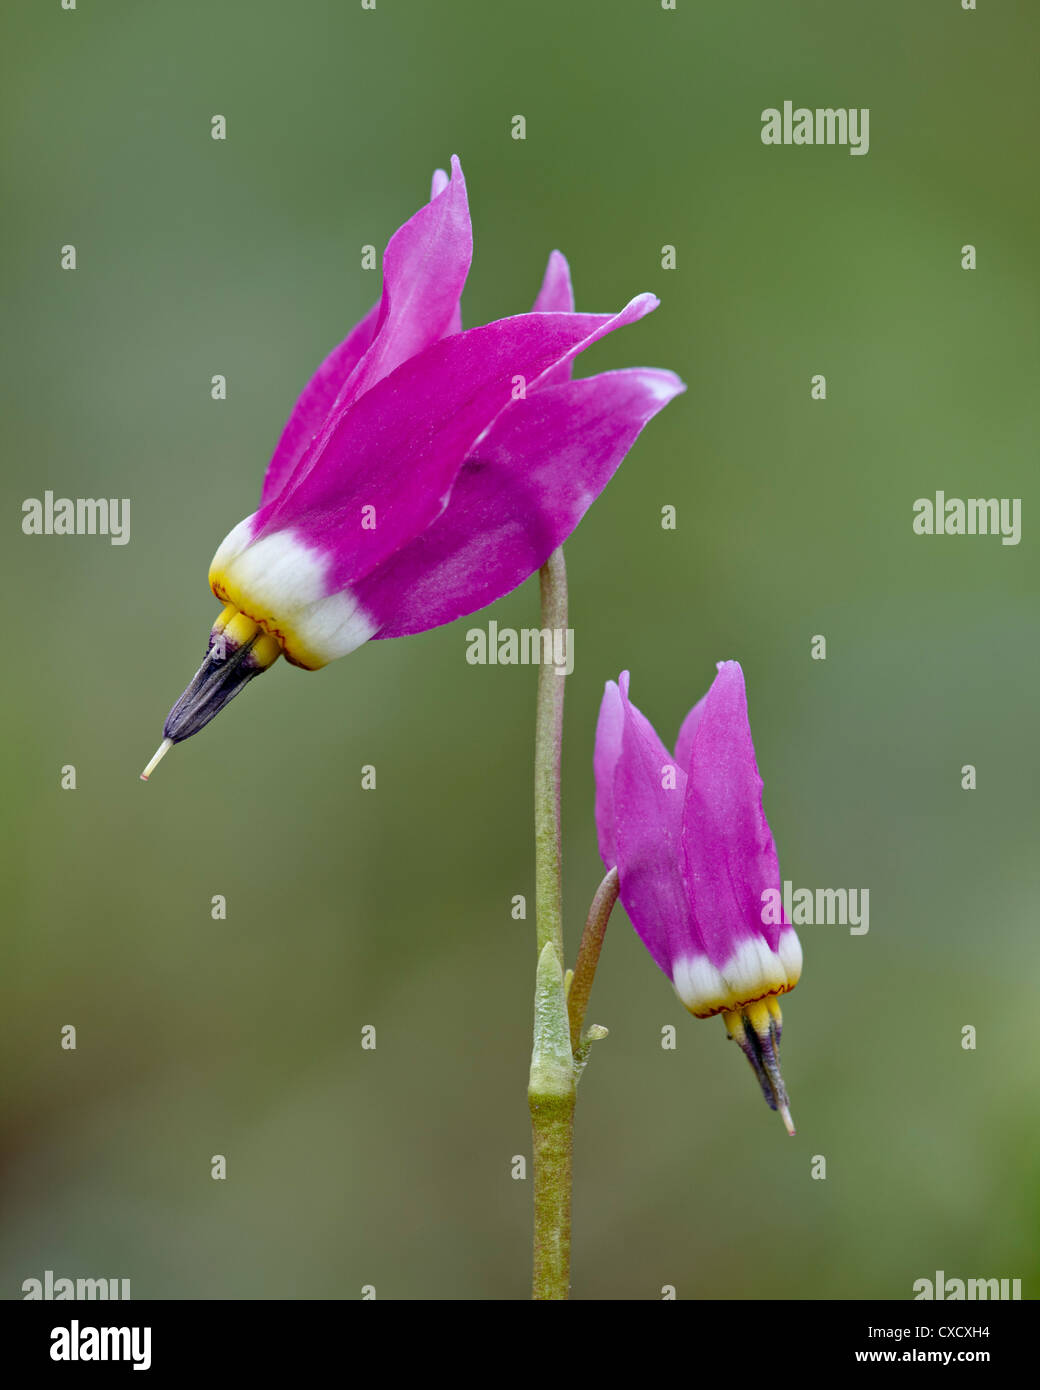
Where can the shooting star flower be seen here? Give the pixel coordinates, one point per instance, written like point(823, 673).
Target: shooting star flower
point(424, 471)
point(695, 855)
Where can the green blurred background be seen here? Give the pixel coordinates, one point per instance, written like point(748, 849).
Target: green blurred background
point(392, 908)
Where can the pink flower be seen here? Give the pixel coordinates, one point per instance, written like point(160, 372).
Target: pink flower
point(424, 471)
point(696, 862)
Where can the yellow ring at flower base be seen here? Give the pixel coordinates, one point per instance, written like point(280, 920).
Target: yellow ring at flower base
point(239, 628)
point(279, 582)
point(236, 626)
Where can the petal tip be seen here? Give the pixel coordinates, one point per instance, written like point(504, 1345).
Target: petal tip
point(730, 673)
point(645, 302)
point(663, 385)
point(442, 180)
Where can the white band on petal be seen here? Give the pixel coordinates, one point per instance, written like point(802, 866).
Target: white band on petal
point(752, 972)
point(280, 582)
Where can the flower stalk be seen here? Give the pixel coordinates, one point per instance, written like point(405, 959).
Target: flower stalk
point(588, 957)
point(548, 749)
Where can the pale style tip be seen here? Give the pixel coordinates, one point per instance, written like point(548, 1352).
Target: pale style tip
point(160, 753)
point(785, 1115)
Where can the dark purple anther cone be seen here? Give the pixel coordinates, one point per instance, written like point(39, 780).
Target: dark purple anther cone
point(219, 679)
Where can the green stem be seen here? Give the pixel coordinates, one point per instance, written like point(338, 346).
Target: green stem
point(552, 1084)
point(550, 1095)
point(548, 747)
point(552, 1124)
point(588, 954)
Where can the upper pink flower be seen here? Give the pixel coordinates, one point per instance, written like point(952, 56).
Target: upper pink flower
point(424, 471)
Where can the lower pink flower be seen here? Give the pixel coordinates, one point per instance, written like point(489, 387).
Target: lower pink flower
point(696, 862)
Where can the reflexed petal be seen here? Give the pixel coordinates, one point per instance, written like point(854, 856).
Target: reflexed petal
point(315, 402)
point(400, 447)
point(424, 270)
point(519, 496)
point(728, 853)
point(684, 743)
point(438, 184)
point(648, 819)
point(609, 730)
point(556, 297)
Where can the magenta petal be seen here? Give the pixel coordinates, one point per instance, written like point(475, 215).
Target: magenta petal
point(424, 270)
point(609, 730)
point(519, 495)
point(556, 297)
point(648, 830)
point(728, 854)
point(315, 402)
point(438, 184)
point(399, 448)
point(690, 725)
